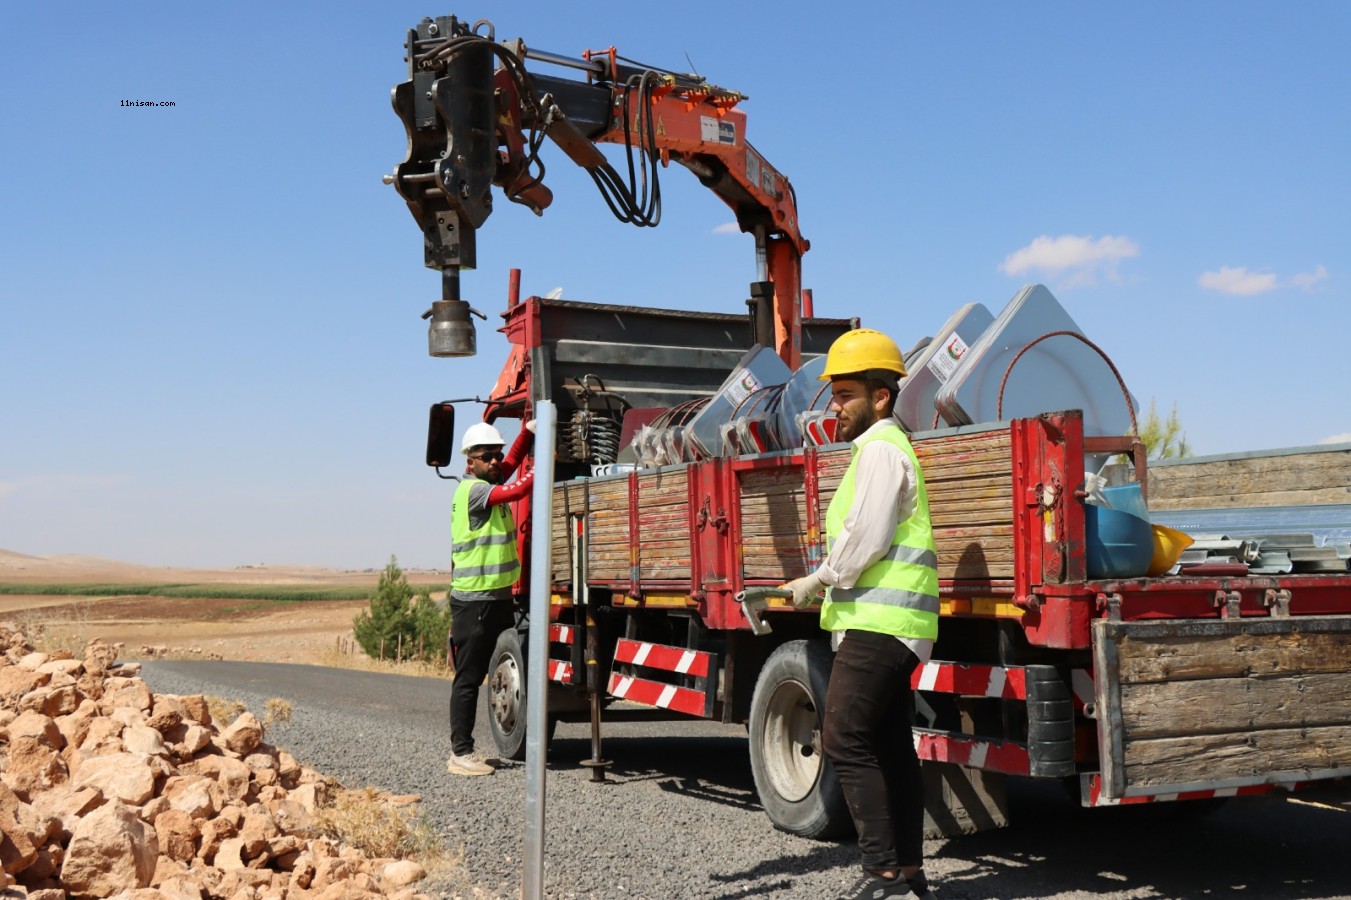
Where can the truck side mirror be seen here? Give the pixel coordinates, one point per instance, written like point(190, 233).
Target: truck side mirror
point(441, 435)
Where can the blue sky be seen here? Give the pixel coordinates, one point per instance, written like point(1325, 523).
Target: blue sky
point(210, 341)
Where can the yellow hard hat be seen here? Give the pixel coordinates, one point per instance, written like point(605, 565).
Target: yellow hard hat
point(861, 350)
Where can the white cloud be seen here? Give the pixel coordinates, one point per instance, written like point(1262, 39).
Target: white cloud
point(1337, 439)
point(7, 488)
point(1307, 280)
point(1080, 257)
point(728, 228)
point(1238, 280)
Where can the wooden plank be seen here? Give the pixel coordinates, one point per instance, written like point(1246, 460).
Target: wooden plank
point(1270, 498)
point(1218, 705)
point(1289, 479)
point(1189, 658)
point(1236, 755)
point(968, 491)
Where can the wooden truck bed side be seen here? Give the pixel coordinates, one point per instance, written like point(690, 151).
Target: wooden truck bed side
point(1185, 705)
point(968, 477)
point(1298, 476)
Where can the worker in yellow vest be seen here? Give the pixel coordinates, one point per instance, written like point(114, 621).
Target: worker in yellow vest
point(484, 568)
point(881, 607)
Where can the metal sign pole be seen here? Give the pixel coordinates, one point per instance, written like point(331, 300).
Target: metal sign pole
point(537, 675)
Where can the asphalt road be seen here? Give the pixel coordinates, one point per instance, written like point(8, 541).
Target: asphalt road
point(679, 817)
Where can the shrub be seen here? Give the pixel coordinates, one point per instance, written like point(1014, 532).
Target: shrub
point(372, 823)
point(389, 624)
point(401, 625)
point(433, 627)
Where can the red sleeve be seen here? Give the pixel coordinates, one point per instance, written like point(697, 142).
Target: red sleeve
point(507, 493)
point(516, 455)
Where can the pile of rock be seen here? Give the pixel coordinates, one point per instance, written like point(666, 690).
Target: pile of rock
point(163, 651)
point(108, 789)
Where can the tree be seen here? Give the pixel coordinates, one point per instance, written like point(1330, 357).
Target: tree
point(1163, 440)
point(390, 622)
point(400, 624)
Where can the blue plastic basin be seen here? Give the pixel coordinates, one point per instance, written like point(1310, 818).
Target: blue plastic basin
point(1119, 544)
point(1127, 498)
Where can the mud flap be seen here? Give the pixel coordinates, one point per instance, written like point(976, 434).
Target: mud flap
point(959, 800)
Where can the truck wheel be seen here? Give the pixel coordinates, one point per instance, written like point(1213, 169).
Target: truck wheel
point(506, 697)
point(797, 785)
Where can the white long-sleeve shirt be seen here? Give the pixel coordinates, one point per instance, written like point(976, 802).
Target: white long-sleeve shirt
point(885, 493)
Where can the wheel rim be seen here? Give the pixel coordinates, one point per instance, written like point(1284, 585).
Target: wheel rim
point(792, 741)
point(505, 693)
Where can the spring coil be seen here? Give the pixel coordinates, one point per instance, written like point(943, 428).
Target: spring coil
point(590, 437)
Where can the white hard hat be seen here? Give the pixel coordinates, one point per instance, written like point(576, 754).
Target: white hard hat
point(481, 434)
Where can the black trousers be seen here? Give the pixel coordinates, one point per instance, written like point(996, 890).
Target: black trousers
point(474, 627)
point(867, 734)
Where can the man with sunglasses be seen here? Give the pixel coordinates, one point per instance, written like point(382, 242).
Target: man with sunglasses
point(484, 569)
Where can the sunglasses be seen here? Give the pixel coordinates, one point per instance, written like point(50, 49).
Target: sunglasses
point(489, 456)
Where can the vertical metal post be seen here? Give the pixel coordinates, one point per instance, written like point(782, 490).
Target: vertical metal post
point(537, 675)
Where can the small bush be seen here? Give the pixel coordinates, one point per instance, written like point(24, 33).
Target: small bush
point(372, 823)
point(58, 629)
point(278, 710)
point(432, 623)
point(400, 625)
point(224, 711)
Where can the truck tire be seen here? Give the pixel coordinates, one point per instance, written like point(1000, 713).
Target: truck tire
point(797, 785)
point(506, 697)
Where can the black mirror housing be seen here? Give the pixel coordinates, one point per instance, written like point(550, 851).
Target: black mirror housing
point(441, 435)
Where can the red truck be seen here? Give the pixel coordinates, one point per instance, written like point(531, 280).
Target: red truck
point(1201, 685)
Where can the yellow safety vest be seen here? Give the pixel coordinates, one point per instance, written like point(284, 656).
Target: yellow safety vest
point(898, 594)
point(482, 560)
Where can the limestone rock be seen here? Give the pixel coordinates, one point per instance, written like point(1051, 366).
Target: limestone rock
point(52, 700)
point(177, 833)
point(244, 734)
point(144, 739)
point(37, 725)
point(111, 850)
point(33, 767)
point(165, 713)
point(103, 736)
point(69, 667)
point(99, 656)
point(402, 873)
point(16, 681)
point(130, 693)
point(193, 794)
point(231, 774)
point(121, 776)
point(73, 727)
point(33, 660)
point(17, 851)
point(67, 805)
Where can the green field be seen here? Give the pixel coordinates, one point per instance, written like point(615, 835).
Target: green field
point(281, 592)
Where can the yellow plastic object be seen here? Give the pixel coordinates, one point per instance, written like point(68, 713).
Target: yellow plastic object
point(860, 350)
point(1168, 546)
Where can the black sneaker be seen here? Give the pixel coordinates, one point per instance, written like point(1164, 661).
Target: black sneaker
point(919, 886)
point(875, 887)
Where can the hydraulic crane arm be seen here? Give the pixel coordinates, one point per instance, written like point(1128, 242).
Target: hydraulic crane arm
point(476, 117)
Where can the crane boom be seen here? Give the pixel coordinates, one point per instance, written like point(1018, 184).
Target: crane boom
point(476, 117)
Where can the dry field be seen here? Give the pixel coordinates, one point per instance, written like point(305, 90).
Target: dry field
point(252, 630)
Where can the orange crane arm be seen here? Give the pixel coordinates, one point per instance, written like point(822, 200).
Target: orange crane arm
point(476, 117)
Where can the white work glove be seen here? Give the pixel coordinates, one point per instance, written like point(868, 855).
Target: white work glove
point(530, 426)
point(806, 590)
